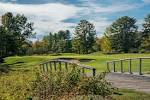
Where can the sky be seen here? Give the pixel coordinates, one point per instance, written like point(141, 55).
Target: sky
point(54, 15)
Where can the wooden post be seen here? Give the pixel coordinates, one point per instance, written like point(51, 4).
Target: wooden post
point(130, 65)
point(60, 65)
point(50, 64)
point(55, 65)
point(47, 67)
point(41, 68)
point(121, 64)
point(114, 66)
point(140, 66)
point(66, 66)
point(108, 66)
point(83, 71)
point(94, 71)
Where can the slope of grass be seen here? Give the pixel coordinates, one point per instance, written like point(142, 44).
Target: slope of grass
point(17, 72)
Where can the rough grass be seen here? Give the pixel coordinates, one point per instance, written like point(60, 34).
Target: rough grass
point(18, 72)
point(131, 95)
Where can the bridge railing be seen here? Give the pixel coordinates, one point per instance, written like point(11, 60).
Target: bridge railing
point(55, 65)
point(139, 61)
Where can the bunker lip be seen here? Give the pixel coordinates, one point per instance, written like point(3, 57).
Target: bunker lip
point(77, 59)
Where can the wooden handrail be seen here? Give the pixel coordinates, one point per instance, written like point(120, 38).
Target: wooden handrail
point(66, 64)
point(130, 64)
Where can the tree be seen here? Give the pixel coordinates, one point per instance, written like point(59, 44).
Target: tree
point(105, 45)
point(49, 39)
point(59, 42)
point(40, 47)
point(145, 45)
point(84, 37)
point(15, 31)
point(3, 43)
point(145, 41)
point(122, 34)
point(146, 26)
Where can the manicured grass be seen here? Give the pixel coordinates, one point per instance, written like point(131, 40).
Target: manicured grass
point(99, 63)
point(19, 71)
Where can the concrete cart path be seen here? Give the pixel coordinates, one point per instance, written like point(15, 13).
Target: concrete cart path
point(128, 81)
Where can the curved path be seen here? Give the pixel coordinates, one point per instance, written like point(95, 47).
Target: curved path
point(128, 81)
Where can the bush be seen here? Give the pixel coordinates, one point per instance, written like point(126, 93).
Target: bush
point(96, 86)
point(70, 84)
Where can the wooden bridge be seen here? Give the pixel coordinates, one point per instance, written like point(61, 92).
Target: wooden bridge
point(57, 65)
point(130, 80)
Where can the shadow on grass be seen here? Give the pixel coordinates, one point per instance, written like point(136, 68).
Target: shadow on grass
point(19, 62)
point(78, 59)
point(4, 68)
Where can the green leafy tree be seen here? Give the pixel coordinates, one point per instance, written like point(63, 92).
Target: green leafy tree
point(59, 42)
point(145, 41)
point(145, 45)
point(122, 34)
point(85, 37)
point(15, 31)
point(146, 26)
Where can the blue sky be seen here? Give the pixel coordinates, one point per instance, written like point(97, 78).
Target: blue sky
point(54, 15)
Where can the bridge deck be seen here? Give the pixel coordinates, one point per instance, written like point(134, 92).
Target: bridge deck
point(128, 81)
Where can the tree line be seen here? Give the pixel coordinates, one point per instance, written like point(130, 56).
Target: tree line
point(122, 36)
point(82, 41)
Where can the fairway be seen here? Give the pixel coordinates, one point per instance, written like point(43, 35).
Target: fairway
point(98, 62)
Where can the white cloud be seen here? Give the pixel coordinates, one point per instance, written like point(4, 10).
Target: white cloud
point(100, 25)
point(52, 26)
point(113, 8)
point(139, 23)
point(53, 11)
point(46, 17)
point(49, 17)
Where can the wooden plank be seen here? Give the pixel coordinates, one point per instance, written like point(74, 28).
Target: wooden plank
point(121, 64)
point(66, 66)
point(55, 66)
point(130, 65)
point(108, 66)
point(50, 64)
point(114, 66)
point(47, 67)
point(60, 66)
point(43, 67)
point(140, 66)
point(94, 71)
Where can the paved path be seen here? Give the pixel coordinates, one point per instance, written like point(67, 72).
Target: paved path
point(127, 81)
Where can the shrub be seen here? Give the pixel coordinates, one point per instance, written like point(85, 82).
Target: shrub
point(96, 86)
point(69, 84)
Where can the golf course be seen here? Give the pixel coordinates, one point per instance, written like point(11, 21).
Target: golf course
point(18, 72)
point(74, 49)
